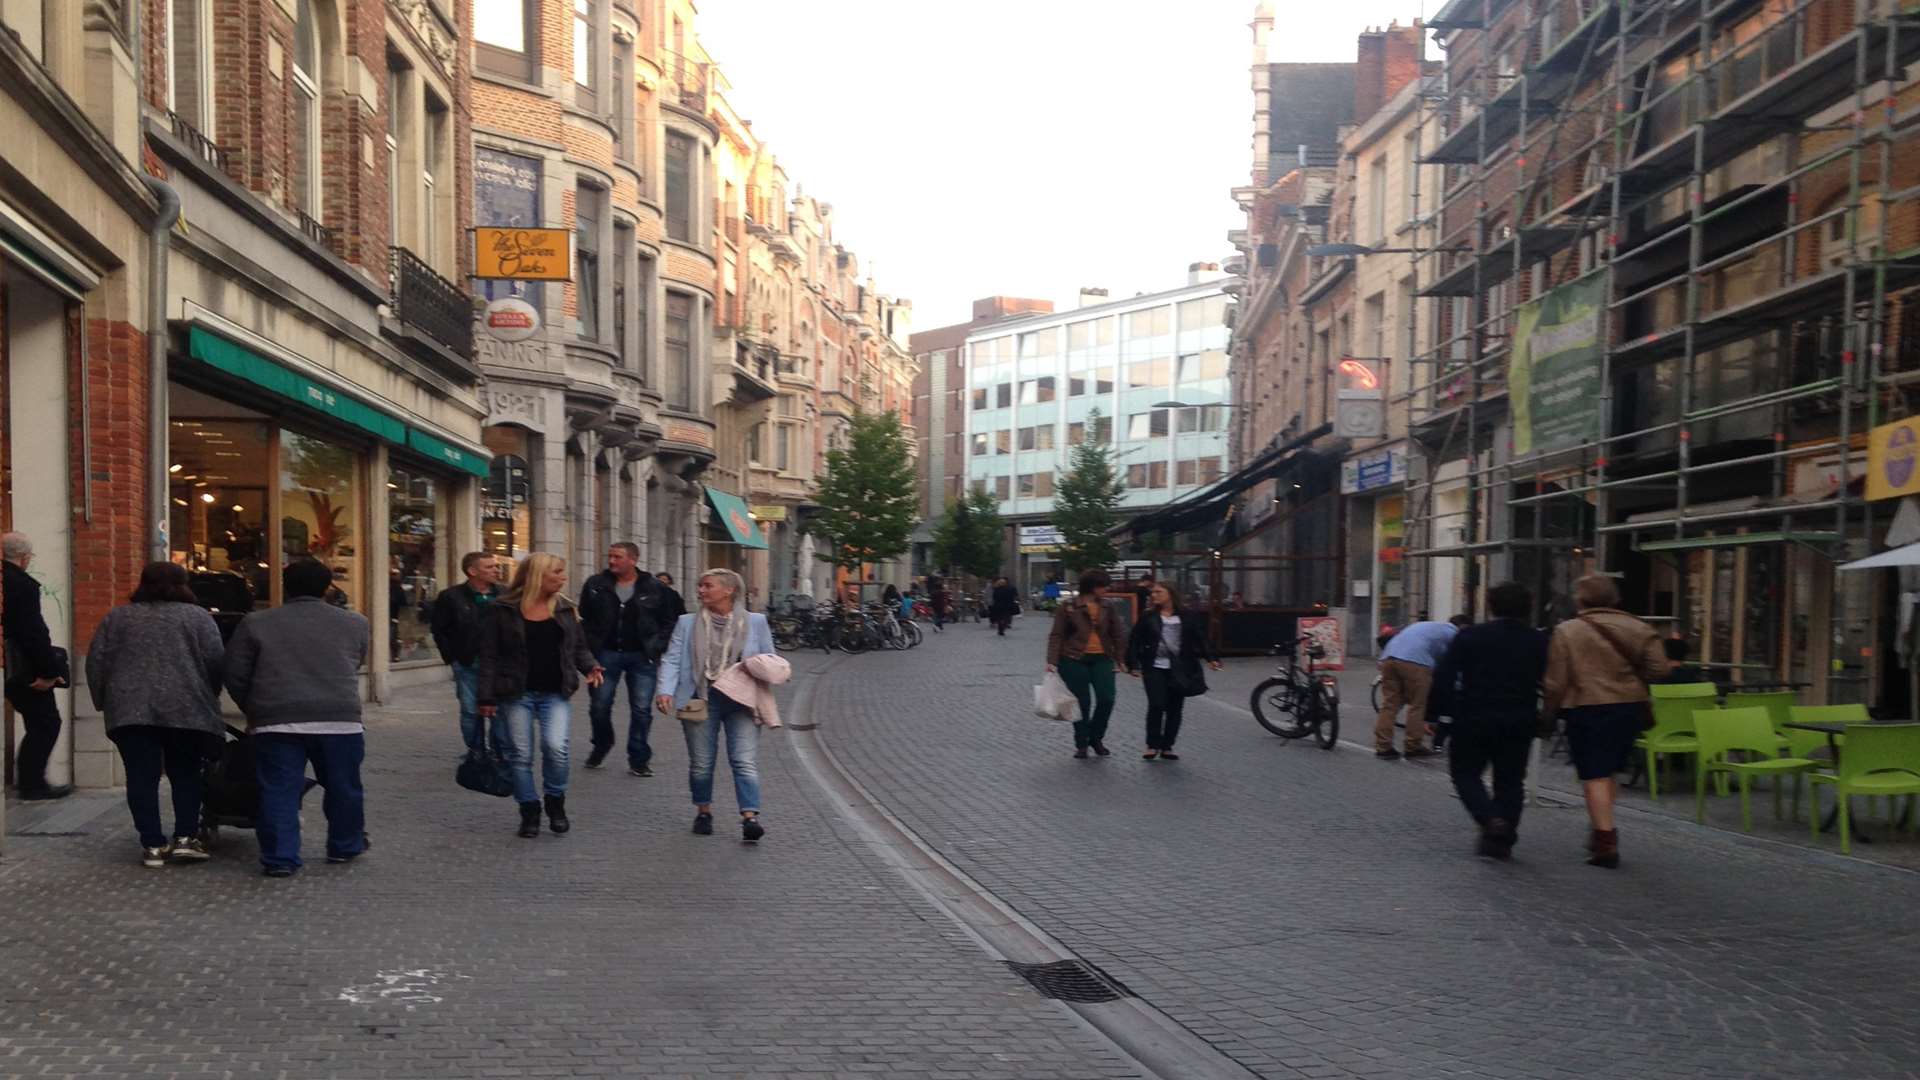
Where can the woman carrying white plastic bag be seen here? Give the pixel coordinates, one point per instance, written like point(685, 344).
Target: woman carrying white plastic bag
point(1052, 699)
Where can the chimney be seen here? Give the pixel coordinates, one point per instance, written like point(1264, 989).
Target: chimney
point(990, 308)
point(1202, 272)
point(1089, 296)
point(1386, 61)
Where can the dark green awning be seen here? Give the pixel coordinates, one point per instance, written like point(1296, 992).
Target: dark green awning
point(244, 363)
point(447, 454)
point(1697, 543)
point(732, 511)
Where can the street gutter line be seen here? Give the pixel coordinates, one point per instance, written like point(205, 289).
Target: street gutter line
point(1135, 1031)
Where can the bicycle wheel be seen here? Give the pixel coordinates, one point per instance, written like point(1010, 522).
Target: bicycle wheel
point(856, 639)
point(1274, 706)
point(1326, 718)
point(912, 632)
point(1374, 695)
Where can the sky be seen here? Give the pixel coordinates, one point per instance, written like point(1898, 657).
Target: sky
point(1018, 147)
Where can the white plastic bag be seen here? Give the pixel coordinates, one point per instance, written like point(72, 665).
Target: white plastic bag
point(1053, 701)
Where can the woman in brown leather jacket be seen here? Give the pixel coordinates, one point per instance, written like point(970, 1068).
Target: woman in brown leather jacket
point(1088, 637)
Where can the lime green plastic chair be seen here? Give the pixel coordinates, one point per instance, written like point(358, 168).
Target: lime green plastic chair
point(1672, 731)
point(1725, 731)
point(1776, 702)
point(1878, 759)
point(1814, 744)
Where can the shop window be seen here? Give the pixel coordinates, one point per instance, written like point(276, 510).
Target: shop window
point(217, 497)
point(319, 510)
point(413, 573)
point(506, 37)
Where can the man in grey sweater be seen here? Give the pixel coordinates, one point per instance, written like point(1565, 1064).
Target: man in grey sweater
point(294, 671)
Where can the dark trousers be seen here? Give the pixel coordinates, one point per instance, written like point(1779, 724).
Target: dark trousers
point(1090, 679)
point(640, 674)
point(40, 724)
point(1165, 707)
point(1472, 748)
point(281, 765)
point(147, 751)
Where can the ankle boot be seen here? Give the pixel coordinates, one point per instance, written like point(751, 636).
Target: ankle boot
point(1496, 839)
point(529, 819)
point(557, 814)
point(1604, 848)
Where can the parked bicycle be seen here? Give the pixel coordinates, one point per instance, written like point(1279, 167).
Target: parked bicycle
point(1297, 702)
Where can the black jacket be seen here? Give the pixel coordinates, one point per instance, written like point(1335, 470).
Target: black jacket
point(1006, 601)
point(1498, 666)
point(1196, 644)
point(456, 624)
point(29, 644)
point(642, 624)
point(503, 652)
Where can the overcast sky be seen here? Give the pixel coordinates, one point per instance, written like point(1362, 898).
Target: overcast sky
point(1020, 147)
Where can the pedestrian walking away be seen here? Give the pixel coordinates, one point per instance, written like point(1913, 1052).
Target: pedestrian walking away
point(457, 613)
point(1004, 603)
point(627, 618)
point(153, 671)
point(1598, 666)
point(672, 606)
point(1086, 636)
point(1488, 681)
point(940, 599)
point(294, 671)
point(1166, 650)
point(705, 646)
point(35, 668)
point(533, 654)
point(1406, 676)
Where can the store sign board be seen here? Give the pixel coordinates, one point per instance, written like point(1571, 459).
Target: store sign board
point(1553, 379)
point(1040, 540)
point(768, 513)
point(515, 254)
point(242, 362)
point(1367, 472)
point(510, 319)
point(1893, 459)
point(688, 434)
point(1326, 633)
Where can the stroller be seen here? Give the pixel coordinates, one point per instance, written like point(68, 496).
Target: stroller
point(232, 792)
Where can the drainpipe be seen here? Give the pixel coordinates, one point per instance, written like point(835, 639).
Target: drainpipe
point(157, 413)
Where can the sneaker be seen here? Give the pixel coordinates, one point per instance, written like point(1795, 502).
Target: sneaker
point(188, 849)
point(1080, 752)
point(751, 830)
point(598, 757)
point(153, 858)
point(641, 771)
point(1389, 754)
point(703, 825)
point(279, 871)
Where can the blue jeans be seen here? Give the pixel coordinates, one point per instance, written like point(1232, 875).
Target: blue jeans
point(743, 752)
point(552, 716)
point(280, 764)
point(148, 750)
point(640, 674)
point(466, 687)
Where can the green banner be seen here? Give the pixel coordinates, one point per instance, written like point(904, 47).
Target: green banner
point(1553, 379)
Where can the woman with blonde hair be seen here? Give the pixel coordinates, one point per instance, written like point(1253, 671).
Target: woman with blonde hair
point(706, 644)
point(533, 654)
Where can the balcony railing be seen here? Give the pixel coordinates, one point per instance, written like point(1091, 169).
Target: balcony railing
point(318, 233)
point(435, 306)
point(203, 148)
point(687, 81)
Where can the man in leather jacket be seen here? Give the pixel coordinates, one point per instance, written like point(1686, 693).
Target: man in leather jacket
point(628, 621)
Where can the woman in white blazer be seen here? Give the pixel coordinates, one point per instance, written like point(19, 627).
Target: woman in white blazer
point(720, 634)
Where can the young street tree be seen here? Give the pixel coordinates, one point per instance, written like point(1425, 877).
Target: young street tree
point(1086, 502)
point(867, 497)
point(968, 538)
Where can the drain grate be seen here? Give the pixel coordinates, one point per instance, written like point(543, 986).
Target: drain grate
point(1071, 980)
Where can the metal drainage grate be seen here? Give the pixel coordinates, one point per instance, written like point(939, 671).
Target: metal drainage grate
point(1071, 980)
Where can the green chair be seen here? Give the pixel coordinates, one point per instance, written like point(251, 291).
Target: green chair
point(1878, 759)
point(1814, 745)
point(1672, 731)
point(1776, 702)
point(1721, 732)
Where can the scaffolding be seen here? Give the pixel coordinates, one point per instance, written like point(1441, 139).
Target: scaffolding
point(1727, 174)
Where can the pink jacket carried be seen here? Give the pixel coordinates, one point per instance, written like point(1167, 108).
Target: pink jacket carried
point(751, 683)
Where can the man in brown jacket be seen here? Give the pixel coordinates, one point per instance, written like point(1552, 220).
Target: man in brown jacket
point(1598, 666)
point(1088, 638)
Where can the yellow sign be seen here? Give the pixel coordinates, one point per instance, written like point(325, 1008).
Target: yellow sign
point(768, 513)
point(1893, 459)
point(522, 254)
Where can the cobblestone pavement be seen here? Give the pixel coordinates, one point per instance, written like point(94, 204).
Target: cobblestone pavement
point(1317, 913)
point(455, 949)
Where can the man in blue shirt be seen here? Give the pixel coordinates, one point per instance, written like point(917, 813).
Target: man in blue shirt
point(1406, 675)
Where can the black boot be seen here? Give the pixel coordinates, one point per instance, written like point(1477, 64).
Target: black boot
point(557, 814)
point(529, 819)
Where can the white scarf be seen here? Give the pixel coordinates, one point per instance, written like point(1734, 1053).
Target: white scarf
point(716, 650)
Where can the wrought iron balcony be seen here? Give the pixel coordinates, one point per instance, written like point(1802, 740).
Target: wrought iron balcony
point(687, 81)
point(431, 304)
point(318, 233)
point(203, 148)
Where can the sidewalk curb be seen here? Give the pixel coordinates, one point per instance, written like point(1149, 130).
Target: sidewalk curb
point(1136, 1031)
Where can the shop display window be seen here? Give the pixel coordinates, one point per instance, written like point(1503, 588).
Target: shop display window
point(414, 574)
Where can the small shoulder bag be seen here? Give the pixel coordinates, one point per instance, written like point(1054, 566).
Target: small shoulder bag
point(1633, 668)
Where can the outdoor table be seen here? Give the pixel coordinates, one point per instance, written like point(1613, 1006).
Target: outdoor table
point(1833, 731)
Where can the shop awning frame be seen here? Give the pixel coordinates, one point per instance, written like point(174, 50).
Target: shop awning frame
point(1892, 559)
point(732, 511)
point(1210, 504)
point(1810, 539)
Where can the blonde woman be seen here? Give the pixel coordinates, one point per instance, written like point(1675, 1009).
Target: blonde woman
point(533, 654)
point(705, 644)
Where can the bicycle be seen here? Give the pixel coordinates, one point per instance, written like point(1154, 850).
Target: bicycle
point(1295, 703)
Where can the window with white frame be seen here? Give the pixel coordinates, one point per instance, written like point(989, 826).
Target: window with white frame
point(587, 214)
point(1377, 199)
point(583, 50)
point(189, 46)
point(305, 135)
point(506, 37)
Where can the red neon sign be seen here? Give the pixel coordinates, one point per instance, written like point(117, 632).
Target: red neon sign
point(1362, 375)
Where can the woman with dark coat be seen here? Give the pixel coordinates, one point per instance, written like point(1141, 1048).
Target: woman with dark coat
point(1166, 650)
point(533, 656)
point(153, 670)
point(1003, 605)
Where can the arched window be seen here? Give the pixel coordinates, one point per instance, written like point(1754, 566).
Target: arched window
point(305, 136)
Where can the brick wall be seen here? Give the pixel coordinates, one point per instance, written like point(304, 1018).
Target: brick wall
point(108, 551)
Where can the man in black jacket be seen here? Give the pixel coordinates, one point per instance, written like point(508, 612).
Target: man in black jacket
point(675, 606)
point(1489, 682)
point(456, 633)
point(628, 622)
point(34, 668)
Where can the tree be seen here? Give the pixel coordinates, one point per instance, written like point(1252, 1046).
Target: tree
point(1086, 502)
point(867, 497)
point(969, 538)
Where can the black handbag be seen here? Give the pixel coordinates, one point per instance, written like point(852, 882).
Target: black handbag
point(1186, 677)
point(484, 772)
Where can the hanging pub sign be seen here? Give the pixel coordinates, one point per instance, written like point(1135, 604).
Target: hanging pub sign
point(512, 253)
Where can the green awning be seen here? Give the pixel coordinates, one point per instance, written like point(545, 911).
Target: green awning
point(1696, 543)
point(448, 454)
point(244, 363)
point(733, 514)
